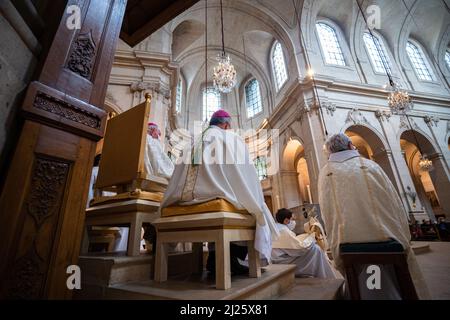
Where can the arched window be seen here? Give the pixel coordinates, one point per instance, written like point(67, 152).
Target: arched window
point(377, 54)
point(253, 98)
point(179, 95)
point(447, 58)
point(211, 102)
point(261, 167)
point(279, 65)
point(330, 44)
point(418, 62)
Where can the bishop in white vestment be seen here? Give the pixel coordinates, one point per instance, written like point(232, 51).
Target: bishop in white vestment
point(157, 163)
point(220, 167)
point(359, 204)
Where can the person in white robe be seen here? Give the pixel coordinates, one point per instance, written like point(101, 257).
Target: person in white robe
point(157, 163)
point(219, 166)
point(302, 250)
point(359, 204)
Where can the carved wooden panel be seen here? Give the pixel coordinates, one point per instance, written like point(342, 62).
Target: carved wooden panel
point(44, 195)
point(62, 108)
point(43, 203)
point(82, 55)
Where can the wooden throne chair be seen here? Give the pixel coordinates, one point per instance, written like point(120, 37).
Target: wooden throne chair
point(136, 195)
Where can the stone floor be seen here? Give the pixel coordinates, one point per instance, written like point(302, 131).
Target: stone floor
point(435, 265)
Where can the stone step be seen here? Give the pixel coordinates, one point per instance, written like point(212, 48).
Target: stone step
point(99, 271)
point(314, 289)
point(274, 281)
point(420, 247)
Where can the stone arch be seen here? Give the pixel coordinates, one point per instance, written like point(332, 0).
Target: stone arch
point(111, 107)
point(291, 150)
point(184, 34)
point(251, 20)
point(295, 174)
point(198, 80)
point(426, 142)
point(444, 45)
point(432, 187)
point(371, 146)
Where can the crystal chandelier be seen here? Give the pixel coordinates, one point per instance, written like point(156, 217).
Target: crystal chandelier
point(425, 164)
point(224, 75)
point(399, 100)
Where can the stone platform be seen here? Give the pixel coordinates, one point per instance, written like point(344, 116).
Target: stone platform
point(315, 289)
point(99, 271)
point(121, 277)
point(420, 247)
point(274, 282)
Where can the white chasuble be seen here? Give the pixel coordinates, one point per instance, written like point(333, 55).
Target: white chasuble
point(359, 204)
point(225, 171)
point(157, 163)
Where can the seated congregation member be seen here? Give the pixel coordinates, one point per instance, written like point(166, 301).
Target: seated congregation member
point(219, 166)
point(302, 251)
point(359, 204)
point(157, 163)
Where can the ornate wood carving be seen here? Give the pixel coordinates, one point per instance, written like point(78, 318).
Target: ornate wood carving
point(44, 200)
point(51, 104)
point(46, 187)
point(27, 278)
point(81, 59)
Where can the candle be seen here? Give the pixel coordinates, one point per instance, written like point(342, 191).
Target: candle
point(309, 193)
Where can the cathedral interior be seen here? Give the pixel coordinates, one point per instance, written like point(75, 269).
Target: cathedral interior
point(80, 79)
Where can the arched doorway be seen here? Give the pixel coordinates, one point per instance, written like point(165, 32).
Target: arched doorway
point(304, 184)
point(295, 175)
point(432, 186)
point(370, 146)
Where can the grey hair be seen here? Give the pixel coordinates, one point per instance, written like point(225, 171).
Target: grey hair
point(221, 120)
point(337, 142)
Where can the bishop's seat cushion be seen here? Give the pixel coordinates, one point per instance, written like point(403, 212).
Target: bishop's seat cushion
point(216, 205)
point(385, 246)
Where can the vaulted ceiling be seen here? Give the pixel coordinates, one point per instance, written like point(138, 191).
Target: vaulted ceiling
point(143, 17)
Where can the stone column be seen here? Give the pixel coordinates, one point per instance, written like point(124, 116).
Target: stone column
point(291, 193)
point(441, 181)
point(407, 181)
point(160, 80)
point(43, 200)
point(313, 144)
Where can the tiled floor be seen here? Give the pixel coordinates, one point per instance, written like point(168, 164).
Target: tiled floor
point(435, 266)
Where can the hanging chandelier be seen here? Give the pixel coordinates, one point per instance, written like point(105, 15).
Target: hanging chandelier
point(425, 164)
point(399, 100)
point(224, 75)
